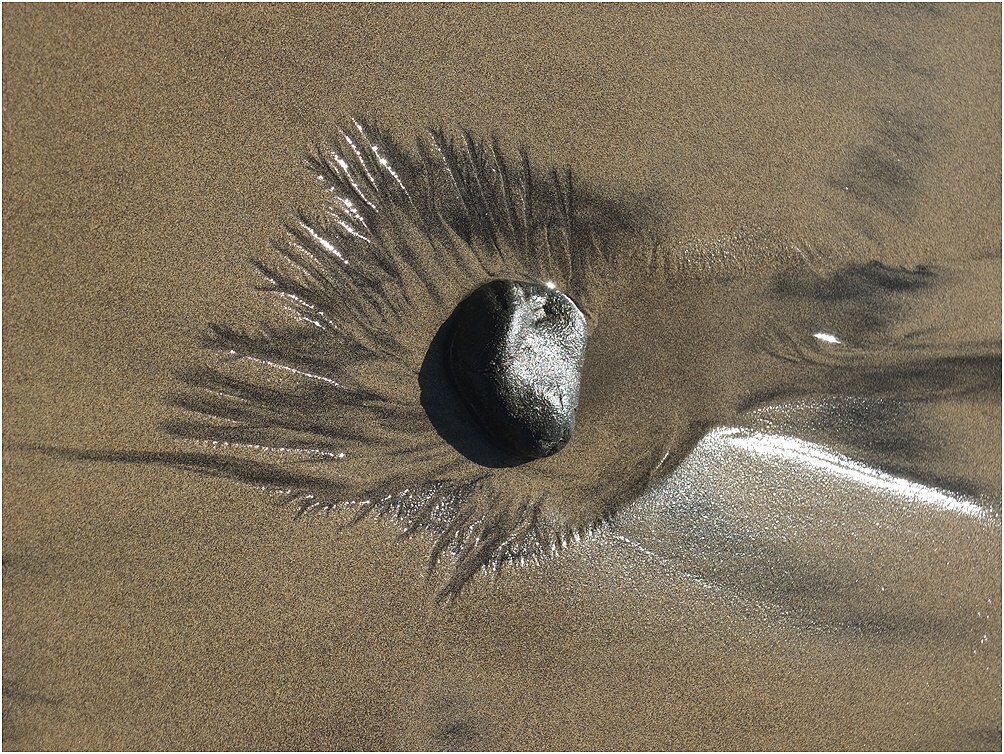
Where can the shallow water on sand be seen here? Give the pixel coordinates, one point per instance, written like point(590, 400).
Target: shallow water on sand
point(815, 573)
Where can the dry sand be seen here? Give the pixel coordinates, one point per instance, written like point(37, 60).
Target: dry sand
point(148, 151)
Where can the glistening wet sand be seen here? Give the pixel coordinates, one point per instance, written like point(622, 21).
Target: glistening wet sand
point(149, 151)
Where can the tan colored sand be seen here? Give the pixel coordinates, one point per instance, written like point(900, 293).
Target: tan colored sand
point(149, 150)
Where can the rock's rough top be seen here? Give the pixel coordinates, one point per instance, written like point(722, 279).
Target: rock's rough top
point(516, 358)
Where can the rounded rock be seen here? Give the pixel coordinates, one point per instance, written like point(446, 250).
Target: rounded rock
point(516, 357)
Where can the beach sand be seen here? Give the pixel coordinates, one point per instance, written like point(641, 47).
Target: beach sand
point(149, 151)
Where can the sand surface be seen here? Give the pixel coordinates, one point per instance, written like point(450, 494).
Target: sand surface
point(749, 602)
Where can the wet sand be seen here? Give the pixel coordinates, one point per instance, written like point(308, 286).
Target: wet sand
point(149, 151)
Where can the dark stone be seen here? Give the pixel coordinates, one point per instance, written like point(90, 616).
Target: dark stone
point(516, 359)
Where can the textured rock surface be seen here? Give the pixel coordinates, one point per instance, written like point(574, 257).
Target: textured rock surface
point(516, 359)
